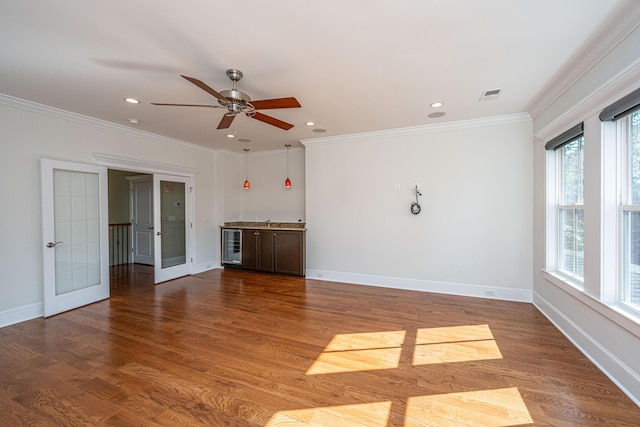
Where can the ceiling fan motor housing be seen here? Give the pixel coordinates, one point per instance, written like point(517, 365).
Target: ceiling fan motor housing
point(234, 95)
point(237, 101)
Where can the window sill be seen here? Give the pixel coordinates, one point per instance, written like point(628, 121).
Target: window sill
point(613, 312)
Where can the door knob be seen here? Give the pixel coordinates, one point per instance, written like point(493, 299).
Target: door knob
point(150, 228)
point(158, 233)
point(51, 244)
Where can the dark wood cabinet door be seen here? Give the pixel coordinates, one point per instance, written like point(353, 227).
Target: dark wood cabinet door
point(279, 251)
point(265, 250)
point(249, 249)
point(288, 249)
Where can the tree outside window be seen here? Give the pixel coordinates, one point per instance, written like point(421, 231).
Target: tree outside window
point(571, 209)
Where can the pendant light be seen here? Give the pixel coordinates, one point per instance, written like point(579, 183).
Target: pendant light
point(246, 185)
point(287, 182)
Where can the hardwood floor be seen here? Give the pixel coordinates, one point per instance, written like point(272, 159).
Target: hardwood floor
point(245, 349)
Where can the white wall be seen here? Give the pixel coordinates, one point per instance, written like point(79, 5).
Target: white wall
point(267, 198)
point(29, 132)
point(474, 233)
point(610, 339)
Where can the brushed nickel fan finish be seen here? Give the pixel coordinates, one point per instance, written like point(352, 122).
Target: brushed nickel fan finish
point(236, 102)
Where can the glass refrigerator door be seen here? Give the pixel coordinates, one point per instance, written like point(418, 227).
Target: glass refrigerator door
point(231, 246)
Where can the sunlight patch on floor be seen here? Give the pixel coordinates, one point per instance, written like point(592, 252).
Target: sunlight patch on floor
point(372, 351)
point(367, 340)
point(455, 344)
point(360, 352)
point(383, 350)
point(367, 414)
point(456, 352)
point(356, 360)
point(453, 334)
point(486, 408)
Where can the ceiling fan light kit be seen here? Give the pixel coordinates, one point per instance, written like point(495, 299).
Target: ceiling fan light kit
point(237, 102)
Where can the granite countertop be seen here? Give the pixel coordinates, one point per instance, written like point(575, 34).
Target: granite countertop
point(293, 226)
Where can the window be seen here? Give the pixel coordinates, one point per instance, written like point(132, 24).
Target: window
point(570, 208)
point(629, 131)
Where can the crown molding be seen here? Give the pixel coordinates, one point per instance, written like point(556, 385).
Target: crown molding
point(57, 113)
point(140, 165)
point(623, 83)
point(617, 30)
point(264, 153)
point(420, 130)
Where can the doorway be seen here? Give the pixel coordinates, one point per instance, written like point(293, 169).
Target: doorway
point(141, 209)
point(76, 204)
point(158, 209)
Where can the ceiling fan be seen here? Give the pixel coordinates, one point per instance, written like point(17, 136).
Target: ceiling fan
point(237, 102)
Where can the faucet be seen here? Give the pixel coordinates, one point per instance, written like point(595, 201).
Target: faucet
point(268, 221)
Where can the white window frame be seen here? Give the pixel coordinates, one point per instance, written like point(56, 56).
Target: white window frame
point(555, 236)
point(623, 137)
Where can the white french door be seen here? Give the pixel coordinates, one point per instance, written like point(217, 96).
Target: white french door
point(172, 213)
point(75, 235)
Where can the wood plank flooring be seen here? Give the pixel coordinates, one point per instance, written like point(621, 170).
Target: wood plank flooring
point(232, 348)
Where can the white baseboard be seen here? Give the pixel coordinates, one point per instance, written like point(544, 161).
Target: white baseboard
point(460, 289)
point(206, 266)
point(21, 314)
point(624, 377)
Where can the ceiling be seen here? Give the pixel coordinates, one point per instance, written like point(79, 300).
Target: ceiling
point(354, 65)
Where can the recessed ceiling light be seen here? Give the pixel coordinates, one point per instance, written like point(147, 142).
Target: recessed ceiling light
point(231, 135)
point(319, 130)
point(437, 104)
point(134, 121)
point(436, 114)
point(310, 123)
point(244, 140)
point(132, 101)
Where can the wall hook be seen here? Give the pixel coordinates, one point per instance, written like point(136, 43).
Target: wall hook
point(415, 206)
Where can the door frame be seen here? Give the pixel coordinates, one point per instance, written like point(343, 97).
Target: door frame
point(155, 168)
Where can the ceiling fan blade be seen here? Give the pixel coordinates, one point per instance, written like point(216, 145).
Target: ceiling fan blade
point(204, 87)
point(226, 121)
point(269, 104)
point(184, 105)
point(272, 121)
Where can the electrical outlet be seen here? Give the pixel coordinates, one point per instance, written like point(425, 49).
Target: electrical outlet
point(320, 275)
point(490, 293)
point(397, 187)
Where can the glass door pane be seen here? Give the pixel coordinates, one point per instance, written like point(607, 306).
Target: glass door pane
point(77, 229)
point(172, 220)
point(172, 224)
point(75, 241)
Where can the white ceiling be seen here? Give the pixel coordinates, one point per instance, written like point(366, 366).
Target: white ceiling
point(354, 65)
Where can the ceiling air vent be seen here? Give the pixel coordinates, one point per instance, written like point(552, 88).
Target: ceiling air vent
point(489, 95)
